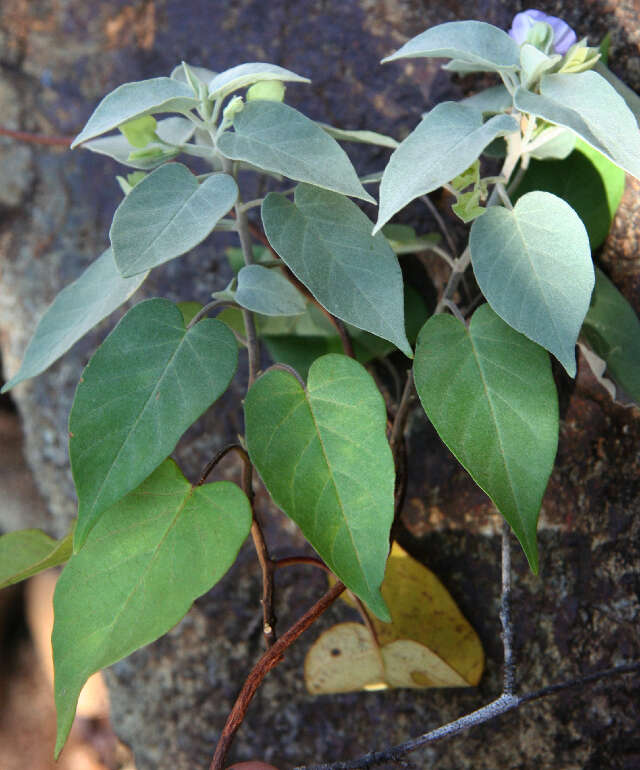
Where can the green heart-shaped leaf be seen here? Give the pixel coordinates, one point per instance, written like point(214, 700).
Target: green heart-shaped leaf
point(323, 455)
point(490, 395)
point(143, 564)
point(28, 551)
point(326, 241)
point(534, 266)
point(145, 385)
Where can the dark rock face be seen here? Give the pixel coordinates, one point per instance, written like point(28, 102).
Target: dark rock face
point(170, 700)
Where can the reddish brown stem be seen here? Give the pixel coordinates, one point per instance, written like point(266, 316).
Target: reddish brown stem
point(290, 561)
point(218, 456)
point(269, 660)
point(26, 136)
point(267, 567)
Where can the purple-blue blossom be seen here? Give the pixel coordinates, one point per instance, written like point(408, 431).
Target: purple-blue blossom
point(563, 36)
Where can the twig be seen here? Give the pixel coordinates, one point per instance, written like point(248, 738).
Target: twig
point(266, 564)
point(253, 349)
point(27, 136)
point(451, 305)
point(403, 412)
point(267, 567)
point(505, 613)
point(269, 660)
point(461, 265)
point(262, 552)
point(218, 456)
point(440, 222)
point(243, 229)
point(290, 370)
point(217, 304)
point(502, 705)
point(438, 252)
point(291, 561)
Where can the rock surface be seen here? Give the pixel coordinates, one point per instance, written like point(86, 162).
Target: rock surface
point(170, 700)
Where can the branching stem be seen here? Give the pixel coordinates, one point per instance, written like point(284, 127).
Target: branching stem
point(217, 304)
point(460, 266)
point(501, 705)
point(269, 660)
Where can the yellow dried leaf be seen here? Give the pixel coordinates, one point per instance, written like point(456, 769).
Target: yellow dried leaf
point(423, 610)
point(429, 643)
point(410, 664)
point(343, 659)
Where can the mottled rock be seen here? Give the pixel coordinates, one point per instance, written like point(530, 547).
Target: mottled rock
point(170, 699)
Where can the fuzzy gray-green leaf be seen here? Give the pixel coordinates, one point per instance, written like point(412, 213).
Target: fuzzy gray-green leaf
point(275, 137)
point(267, 291)
point(475, 43)
point(534, 266)
point(167, 214)
point(587, 104)
point(443, 145)
point(132, 100)
point(77, 309)
point(326, 241)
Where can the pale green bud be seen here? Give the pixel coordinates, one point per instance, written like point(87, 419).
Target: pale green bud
point(269, 90)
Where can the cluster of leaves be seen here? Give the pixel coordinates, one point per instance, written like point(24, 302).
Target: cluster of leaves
point(146, 540)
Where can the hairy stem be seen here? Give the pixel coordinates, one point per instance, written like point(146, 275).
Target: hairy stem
point(269, 660)
point(267, 567)
point(243, 230)
point(505, 613)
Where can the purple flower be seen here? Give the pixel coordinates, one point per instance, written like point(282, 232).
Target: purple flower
point(563, 36)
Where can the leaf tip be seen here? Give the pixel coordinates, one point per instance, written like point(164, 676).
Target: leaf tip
point(378, 606)
point(569, 363)
point(364, 195)
point(79, 537)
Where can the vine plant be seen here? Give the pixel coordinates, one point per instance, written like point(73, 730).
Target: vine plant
point(321, 285)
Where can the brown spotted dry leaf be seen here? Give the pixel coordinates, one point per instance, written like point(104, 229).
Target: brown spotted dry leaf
point(429, 643)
